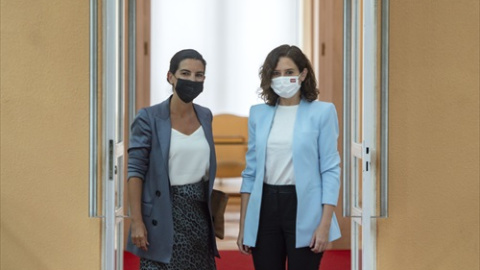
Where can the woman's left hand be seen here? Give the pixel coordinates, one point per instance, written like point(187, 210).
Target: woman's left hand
point(319, 240)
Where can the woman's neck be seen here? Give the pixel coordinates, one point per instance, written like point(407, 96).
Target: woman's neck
point(295, 100)
point(180, 108)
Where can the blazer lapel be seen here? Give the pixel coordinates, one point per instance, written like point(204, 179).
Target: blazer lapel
point(205, 122)
point(164, 130)
point(263, 130)
point(203, 119)
point(301, 122)
point(206, 125)
point(300, 117)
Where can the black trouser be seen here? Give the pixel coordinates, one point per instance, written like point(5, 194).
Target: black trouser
point(276, 233)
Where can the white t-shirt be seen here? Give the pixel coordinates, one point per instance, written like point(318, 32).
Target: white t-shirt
point(189, 157)
point(279, 163)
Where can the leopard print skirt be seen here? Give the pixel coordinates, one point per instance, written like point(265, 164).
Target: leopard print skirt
point(191, 248)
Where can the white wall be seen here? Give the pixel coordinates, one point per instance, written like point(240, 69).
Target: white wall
point(233, 36)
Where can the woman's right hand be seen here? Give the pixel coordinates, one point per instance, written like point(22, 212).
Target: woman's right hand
point(139, 234)
point(241, 247)
point(245, 197)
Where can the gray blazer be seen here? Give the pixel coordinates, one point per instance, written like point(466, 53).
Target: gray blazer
point(148, 159)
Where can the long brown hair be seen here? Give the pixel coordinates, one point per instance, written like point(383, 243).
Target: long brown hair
point(308, 89)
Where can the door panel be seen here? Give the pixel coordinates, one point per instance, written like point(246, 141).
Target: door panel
point(364, 129)
point(111, 124)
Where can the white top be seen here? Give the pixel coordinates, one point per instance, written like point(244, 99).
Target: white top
point(189, 157)
point(279, 164)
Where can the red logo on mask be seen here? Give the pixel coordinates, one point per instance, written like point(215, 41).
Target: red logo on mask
point(293, 80)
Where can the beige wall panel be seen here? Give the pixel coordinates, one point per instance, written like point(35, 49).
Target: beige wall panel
point(434, 137)
point(44, 137)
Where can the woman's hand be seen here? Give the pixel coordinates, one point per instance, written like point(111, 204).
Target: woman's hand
point(138, 231)
point(241, 247)
point(139, 234)
point(245, 197)
point(319, 240)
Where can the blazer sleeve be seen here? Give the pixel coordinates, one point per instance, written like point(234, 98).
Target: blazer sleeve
point(139, 146)
point(329, 158)
point(248, 173)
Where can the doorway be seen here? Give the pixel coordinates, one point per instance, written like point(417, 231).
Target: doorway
point(126, 51)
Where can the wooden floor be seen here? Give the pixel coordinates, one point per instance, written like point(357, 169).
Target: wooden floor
point(232, 213)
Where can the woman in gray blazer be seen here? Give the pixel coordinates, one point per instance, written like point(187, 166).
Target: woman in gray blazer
point(171, 169)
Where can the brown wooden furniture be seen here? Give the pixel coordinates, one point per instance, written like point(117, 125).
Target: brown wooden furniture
point(230, 135)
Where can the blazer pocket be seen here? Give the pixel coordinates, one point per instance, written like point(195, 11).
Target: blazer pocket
point(147, 209)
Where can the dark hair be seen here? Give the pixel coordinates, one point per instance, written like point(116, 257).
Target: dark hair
point(182, 55)
point(308, 89)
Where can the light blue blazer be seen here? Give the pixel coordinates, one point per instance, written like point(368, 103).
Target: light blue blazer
point(316, 166)
point(148, 155)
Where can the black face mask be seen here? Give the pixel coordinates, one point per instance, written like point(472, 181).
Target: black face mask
point(188, 90)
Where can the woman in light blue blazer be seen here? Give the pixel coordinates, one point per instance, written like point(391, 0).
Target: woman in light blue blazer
point(291, 181)
point(171, 169)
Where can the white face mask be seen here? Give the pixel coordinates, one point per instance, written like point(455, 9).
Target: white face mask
point(286, 86)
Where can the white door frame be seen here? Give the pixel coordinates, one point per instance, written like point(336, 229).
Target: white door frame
point(362, 193)
point(113, 147)
point(112, 128)
point(369, 68)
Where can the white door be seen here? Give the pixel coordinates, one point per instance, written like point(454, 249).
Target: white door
point(364, 125)
point(113, 133)
point(108, 152)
